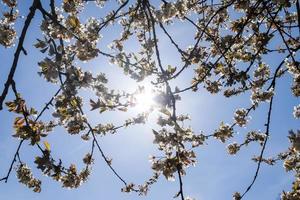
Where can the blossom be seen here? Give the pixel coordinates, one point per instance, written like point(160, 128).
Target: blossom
point(25, 177)
point(296, 112)
point(224, 132)
point(260, 96)
point(237, 196)
point(233, 148)
point(240, 117)
point(49, 69)
point(7, 34)
point(213, 86)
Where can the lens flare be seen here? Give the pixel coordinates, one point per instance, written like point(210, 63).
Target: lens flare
point(144, 98)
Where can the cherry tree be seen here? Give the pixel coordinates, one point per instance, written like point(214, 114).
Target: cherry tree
point(232, 40)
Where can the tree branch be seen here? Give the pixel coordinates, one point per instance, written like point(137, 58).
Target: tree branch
point(20, 48)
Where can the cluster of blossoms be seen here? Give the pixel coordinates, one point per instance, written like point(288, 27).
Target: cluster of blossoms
point(73, 179)
point(261, 74)
point(213, 86)
point(240, 117)
point(170, 165)
point(69, 177)
point(87, 35)
point(201, 73)
point(7, 34)
point(237, 196)
point(103, 129)
point(252, 136)
point(255, 136)
point(7, 31)
point(68, 113)
point(292, 163)
point(172, 139)
point(25, 125)
point(233, 148)
point(49, 69)
point(25, 177)
point(294, 69)
point(224, 132)
point(260, 96)
point(72, 6)
point(143, 188)
point(169, 10)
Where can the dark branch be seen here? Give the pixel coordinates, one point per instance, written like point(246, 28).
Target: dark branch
point(20, 48)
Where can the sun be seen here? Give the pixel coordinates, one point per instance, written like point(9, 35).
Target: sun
point(144, 97)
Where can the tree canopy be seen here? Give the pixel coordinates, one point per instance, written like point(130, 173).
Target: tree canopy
point(234, 42)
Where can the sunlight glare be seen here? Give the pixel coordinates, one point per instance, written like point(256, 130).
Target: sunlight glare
point(144, 99)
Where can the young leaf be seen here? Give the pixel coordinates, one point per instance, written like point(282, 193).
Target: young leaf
point(47, 145)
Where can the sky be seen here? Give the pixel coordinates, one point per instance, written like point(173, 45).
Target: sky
point(216, 176)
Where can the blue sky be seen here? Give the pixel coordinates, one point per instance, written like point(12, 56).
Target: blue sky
point(216, 175)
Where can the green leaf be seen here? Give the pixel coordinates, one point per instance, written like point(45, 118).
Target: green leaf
point(47, 145)
point(165, 111)
point(171, 69)
point(74, 22)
